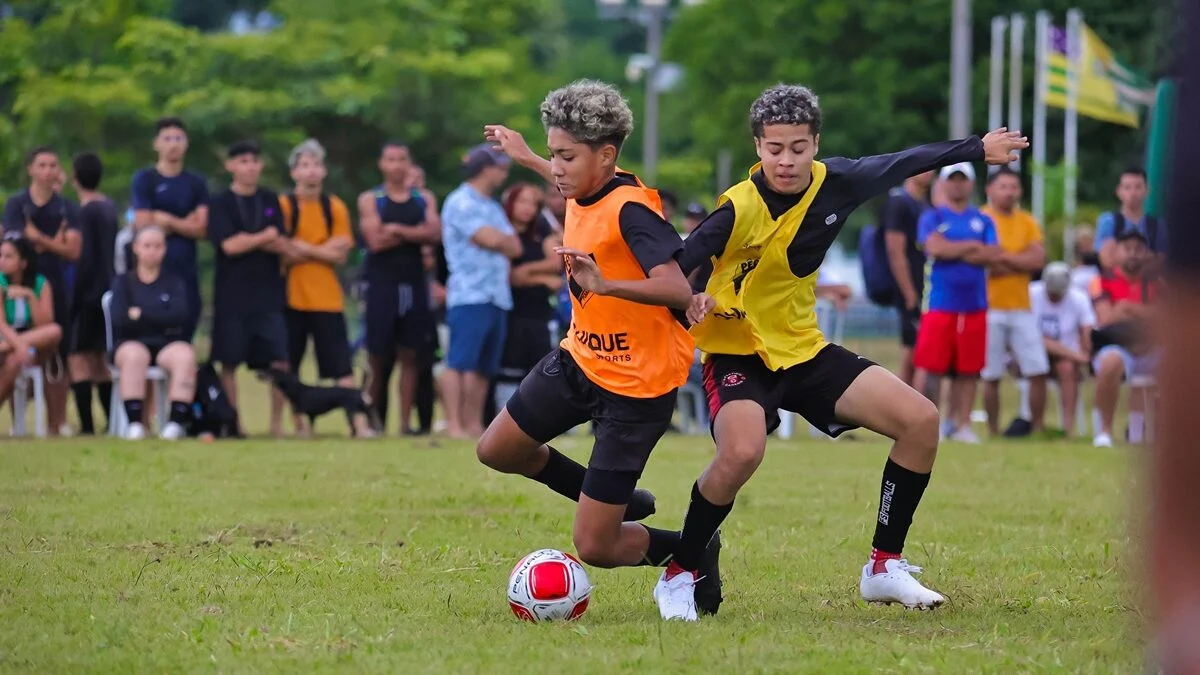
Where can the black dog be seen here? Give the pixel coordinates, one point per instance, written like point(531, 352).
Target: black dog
point(316, 401)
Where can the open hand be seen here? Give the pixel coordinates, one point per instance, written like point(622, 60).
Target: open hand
point(702, 304)
point(1002, 146)
point(135, 313)
point(510, 142)
point(583, 270)
point(19, 292)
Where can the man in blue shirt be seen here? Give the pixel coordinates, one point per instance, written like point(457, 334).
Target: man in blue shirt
point(176, 200)
point(479, 243)
point(1132, 189)
point(960, 242)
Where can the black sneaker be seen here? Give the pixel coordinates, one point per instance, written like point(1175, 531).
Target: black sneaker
point(640, 506)
point(708, 584)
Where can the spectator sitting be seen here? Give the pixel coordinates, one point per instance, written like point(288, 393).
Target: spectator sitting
point(28, 333)
point(1132, 189)
point(1121, 297)
point(150, 316)
point(833, 290)
point(1064, 314)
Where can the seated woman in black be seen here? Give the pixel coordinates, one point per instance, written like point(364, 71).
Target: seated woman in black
point(149, 314)
point(28, 333)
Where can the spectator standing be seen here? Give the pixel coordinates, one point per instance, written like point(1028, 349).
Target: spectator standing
point(249, 293)
point(1122, 297)
point(176, 200)
point(1132, 190)
point(1065, 317)
point(150, 315)
point(536, 275)
point(396, 222)
point(1011, 325)
point(318, 241)
point(554, 208)
point(50, 223)
point(479, 243)
point(952, 339)
point(98, 225)
point(901, 213)
point(28, 333)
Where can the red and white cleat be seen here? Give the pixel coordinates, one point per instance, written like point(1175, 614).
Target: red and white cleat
point(896, 584)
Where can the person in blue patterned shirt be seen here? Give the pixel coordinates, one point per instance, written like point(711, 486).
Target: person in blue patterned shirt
point(479, 243)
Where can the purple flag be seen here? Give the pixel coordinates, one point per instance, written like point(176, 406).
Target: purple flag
point(1058, 40)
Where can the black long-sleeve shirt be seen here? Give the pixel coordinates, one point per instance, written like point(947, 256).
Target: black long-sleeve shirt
point(163, 304)
point(848, 184)
point(98, 225)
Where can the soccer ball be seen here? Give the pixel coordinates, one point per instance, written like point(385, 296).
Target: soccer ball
point(548, 585)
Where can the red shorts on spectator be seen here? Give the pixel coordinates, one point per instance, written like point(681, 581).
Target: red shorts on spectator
point(951, 343)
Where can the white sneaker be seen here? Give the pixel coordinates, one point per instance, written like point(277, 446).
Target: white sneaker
point(172, 431)
point(897, 585)
point(1102, 440)
point(135, 432)
point(965, 435)
point(676, 597)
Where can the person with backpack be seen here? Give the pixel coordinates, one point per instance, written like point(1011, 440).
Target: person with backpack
point(396, 221)
point(318, 236)
point(1132, 189)
point(906, 260)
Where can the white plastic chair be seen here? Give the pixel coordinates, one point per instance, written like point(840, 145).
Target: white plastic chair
point(832, 324)
point(1148, 384)
point(30, 375)
point(118, 422)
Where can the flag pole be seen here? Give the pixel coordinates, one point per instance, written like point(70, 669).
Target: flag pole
point(996, 82)
point(1041, 45)
point(1016, 73)
point(1071, 126)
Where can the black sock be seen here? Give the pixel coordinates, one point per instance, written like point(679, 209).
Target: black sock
point(663, 545)
point(181, 413)
point(133, 411)
point(899, 496)
point(426, 398)
point(699, 525)
point(83, 404)
point(563, 475)
point(105, 391)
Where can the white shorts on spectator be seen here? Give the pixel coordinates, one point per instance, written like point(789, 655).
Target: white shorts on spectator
point(1016, 332)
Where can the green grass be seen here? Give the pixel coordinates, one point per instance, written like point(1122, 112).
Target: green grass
point(391, 556)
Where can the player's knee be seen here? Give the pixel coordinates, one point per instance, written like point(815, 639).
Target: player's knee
point(486, 451)
point(594, 550)
point(922, 423)
point(741, 455)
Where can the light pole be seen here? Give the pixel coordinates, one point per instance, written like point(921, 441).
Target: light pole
point(960, 69)
point(652, 15)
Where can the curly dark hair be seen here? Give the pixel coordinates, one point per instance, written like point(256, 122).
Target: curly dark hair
point(785, 104)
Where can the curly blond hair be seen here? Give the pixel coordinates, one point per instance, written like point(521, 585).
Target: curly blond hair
point(591, 112)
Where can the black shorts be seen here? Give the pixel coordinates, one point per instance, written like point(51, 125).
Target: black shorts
point(556, 397)
point(398, 317)
point(257, 340)
point(527, 341)
point(330, 342)
point(88, 332)
point(811, 389)
point(910, 320)
point(155, 348)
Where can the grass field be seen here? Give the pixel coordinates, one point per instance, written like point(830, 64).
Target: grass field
point(391, 556)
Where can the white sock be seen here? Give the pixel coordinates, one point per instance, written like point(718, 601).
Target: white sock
point(1097, 424)
point(1023, 389)
point(1137, 427)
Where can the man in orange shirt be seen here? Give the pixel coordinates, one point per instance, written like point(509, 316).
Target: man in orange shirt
point(1011, 324)
point(318, 229)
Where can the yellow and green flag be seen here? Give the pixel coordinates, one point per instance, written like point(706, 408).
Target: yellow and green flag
point(1108, 89)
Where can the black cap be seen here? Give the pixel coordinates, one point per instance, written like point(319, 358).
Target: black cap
point(696, 210)
point(481, 157)
point(1132, 233)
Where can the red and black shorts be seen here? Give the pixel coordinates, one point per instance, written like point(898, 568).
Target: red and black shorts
point(810, 389)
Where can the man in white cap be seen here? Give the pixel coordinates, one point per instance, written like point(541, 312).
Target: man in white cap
point(1065, 317)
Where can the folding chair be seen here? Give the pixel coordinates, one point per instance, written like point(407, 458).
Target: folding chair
point(1148, 384)
point(30, 375)
point(118, 422)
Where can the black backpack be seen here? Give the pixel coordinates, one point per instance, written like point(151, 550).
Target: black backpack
point(212, 413)
point(326, 210)
point(1119, 225)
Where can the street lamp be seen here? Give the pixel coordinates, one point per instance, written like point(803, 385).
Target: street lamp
point(652, 15)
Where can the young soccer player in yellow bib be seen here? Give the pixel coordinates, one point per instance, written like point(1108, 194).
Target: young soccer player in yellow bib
point(756, 324)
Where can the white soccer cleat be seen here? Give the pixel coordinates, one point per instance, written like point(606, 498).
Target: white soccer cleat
point(1102, 440)
point(135, 432)
point(676, 596)
point(897, 584)
point(172, 431)
point(965, 435)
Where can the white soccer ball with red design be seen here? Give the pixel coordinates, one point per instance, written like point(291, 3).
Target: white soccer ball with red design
point(549, 585)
